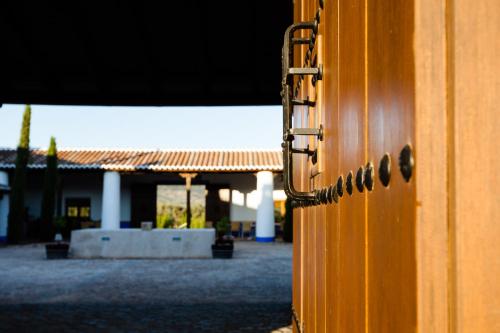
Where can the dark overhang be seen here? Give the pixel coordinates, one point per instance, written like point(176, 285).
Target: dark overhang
point(142, 52)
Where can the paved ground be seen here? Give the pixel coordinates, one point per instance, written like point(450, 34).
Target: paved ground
point(250, 293)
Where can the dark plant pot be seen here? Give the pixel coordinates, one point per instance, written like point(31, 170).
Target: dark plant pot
point(57, 250)
point(222, 251)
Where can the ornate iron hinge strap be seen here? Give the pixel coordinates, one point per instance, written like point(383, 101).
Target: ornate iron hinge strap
point(289, 93)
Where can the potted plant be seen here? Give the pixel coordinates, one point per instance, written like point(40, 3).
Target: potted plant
point(223, 247)
point(58, 249)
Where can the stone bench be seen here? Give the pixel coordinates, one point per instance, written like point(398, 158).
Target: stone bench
point(136, 243)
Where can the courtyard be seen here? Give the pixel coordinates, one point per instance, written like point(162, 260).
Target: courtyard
point(249, 293)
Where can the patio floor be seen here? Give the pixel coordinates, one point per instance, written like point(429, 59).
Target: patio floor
point(250, 293)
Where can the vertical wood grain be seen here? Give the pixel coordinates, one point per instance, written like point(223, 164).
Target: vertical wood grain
point(351, 154)
point(298, 217)
point(321, 223)
point(431, 173)
point(331, 159)
point(474, 66)
point(391, 211)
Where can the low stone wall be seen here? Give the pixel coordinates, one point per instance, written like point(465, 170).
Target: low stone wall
point(136, 243)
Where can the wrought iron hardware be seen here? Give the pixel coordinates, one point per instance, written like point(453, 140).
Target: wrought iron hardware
point(406, 162)
point(310, 153)
point(384, 170)
point(304, 131)
point(288, 93)
point(305, 102)
point(316, 71)
point(300, 40)
point(304, 151)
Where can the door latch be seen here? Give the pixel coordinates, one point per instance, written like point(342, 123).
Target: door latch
point(288, 95)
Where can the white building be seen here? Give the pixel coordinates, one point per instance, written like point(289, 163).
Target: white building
point(115, 189)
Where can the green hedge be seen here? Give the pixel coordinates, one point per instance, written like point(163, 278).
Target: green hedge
point(49, 194)
point(17, 214)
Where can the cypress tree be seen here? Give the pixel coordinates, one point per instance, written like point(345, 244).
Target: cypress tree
point(17, 213)
point(288, 225)
point(49, 193)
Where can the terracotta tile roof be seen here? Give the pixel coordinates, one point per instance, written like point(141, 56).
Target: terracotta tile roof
point(154, 160)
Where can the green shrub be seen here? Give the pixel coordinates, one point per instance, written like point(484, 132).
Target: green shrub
point(59, 224)
point(49, 193)
point(17, 214)
point(223, 226)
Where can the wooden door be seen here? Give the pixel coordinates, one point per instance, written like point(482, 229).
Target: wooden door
point(419, 252)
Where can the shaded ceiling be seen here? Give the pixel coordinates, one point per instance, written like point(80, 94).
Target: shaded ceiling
point(210, 52)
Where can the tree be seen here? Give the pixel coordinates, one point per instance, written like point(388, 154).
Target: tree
point(288, 225)
point(17, 213)
point(49, 193)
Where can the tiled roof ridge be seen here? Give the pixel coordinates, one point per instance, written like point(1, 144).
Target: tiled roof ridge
point(166, 150)
point(167, 160)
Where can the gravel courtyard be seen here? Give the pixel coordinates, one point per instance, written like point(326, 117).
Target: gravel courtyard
point(250, 293)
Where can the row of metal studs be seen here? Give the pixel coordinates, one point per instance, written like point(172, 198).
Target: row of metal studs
point(364, 178)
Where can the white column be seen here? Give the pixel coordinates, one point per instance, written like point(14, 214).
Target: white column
point(4, 207)
point(265, 209)
point(110, 219)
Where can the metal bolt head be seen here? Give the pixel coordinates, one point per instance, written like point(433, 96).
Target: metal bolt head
point(318, 198)
point(330, 194)
point(406, 162)
point(324, 198)
point(314, 157)
point(369, 176)
point(320, 72)
point(335, 195)
point(340, 186)
point(360, 179)
point(384, 169)
point(348, 183)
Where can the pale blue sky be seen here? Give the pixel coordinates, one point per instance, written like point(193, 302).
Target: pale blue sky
point(146, 127)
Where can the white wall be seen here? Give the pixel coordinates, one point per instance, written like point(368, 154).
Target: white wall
point(244, 197)
point(91, 187)
point(81, 185)
point(85, 184)
point(242, 208)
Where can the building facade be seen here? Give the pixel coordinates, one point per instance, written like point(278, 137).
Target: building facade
point(122, 188)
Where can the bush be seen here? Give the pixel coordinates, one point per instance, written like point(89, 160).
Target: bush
point(223, 226)
point(59, 224)
point(49, 193)
point(17, 213)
